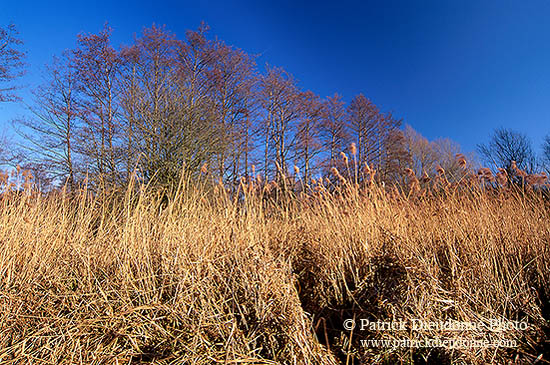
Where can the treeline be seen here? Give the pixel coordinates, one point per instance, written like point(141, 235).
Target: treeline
point(163, 104)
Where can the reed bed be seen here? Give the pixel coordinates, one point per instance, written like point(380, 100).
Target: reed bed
point(260, 276)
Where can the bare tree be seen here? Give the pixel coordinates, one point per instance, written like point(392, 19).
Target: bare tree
point(423, 157)
point(506, 146)
point(10, 154)
point(156, 125)
point(279, 97)
point(446, 151)
point(365, 127)
point(230, 82)
point(333, 131)
point(170, 116)
point(308, 143)
point(163, 104)
point(11, 62)
point(50, 130)
point(248, 128)
point(396, 156)
point(130, 93)
point(426, 156)
point(97, 66)
point(375, 134)
point(391, 152)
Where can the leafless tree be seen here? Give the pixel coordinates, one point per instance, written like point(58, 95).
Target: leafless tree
point(308, 142)
point(230, 84)
point(163, 105)
point(53, 123)
point(423, 157)
point(375, 134)
point(333, 130)
point(506, 146)
point(426, 156)
point(394, 156)
point(365, 126)
point(11, 62)
point(97, 66)
point(279, 96)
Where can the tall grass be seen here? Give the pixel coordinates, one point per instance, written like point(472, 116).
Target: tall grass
point(205, 276)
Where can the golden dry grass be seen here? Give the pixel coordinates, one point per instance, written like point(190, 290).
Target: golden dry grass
point(205, 278)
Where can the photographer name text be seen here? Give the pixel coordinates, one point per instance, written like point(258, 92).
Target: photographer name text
point(493, 325)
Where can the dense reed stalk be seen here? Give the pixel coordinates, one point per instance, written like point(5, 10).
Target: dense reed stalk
point(202, 275)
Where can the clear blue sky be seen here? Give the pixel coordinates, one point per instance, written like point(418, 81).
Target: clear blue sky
point(453, 69)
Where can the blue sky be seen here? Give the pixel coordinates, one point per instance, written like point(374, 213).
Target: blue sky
point(454, 69)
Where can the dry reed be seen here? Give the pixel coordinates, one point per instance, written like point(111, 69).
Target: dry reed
point(213, 278)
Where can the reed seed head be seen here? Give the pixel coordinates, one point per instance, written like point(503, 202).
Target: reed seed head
point(344, 157)
point(353, 149)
